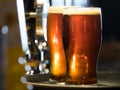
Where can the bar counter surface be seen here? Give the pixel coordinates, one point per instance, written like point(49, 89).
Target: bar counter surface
point(108, 73)
point(106, 79)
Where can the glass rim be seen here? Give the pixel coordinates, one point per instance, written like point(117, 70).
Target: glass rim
point(82, 10)
point(74, 10)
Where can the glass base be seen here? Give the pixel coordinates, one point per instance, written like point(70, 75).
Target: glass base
point(56, 82)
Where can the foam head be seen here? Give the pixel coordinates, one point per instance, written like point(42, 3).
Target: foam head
point(81, 11)
point(55, 9)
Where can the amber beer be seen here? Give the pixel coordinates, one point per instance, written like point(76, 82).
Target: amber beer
point(82, 41)
point(54, 38)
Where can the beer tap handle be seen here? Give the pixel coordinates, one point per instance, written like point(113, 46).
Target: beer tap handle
point(39, 29)
point(22, 25)
point(39, 33)
point(40, 38)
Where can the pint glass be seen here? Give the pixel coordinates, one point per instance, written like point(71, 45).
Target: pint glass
point(55, 44)
point(81, 42)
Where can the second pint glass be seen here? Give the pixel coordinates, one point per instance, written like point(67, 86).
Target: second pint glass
point(54, 37)
point(82, 41)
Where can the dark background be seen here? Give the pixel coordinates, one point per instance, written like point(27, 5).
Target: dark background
point(111, 18)
point(110, 51)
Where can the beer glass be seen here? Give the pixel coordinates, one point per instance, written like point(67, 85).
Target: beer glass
point(55, 44)
point(54, 37)
point(81, 35)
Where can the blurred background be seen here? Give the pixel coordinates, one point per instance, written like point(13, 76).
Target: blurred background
point(109, 59)
point(14, 71)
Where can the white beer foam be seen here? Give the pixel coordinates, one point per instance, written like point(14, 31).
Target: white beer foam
point(58, 9)
point(81, 11)
point(55, 9)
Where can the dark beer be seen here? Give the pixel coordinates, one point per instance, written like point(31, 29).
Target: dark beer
point(54, 37)
point(82, 41)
